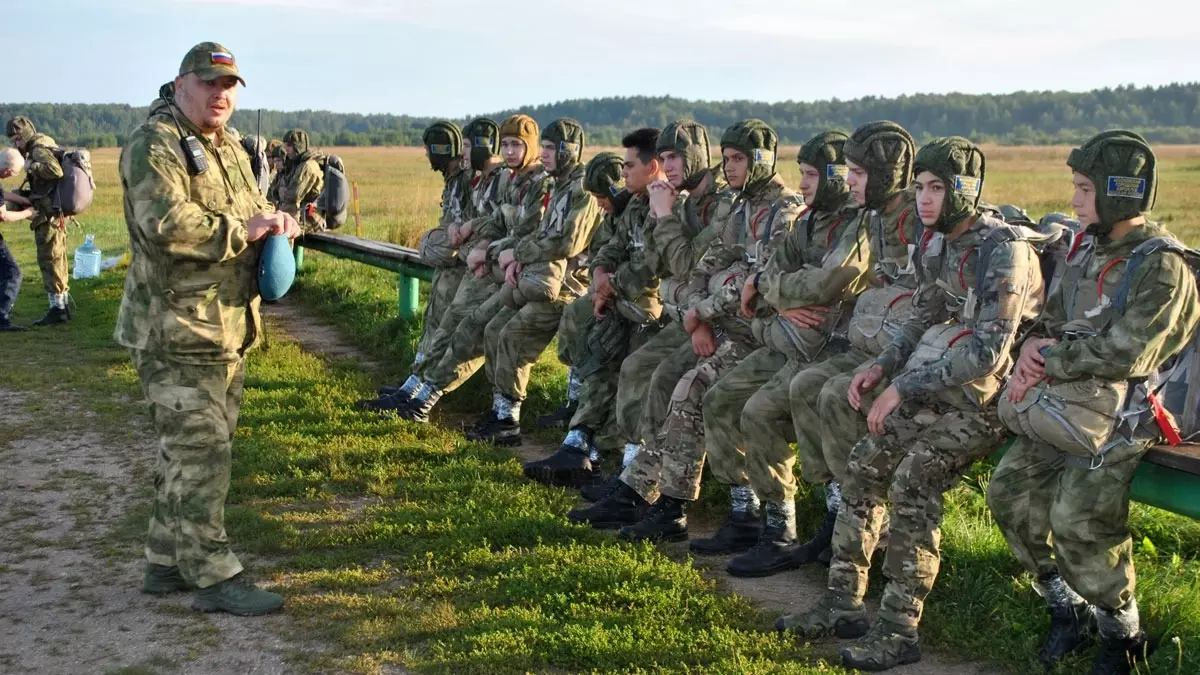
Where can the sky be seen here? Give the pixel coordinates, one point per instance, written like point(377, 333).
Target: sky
point(455, 58)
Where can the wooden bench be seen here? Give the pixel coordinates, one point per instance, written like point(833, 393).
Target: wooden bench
point(405, 262)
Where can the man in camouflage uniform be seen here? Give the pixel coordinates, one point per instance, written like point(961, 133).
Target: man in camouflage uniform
point(483, 149)
point(678, 233)
point(521, 193)
point(277, 156)
point(879, 160)
point(298, 192)
point(543, 272)
point(979, 283)
point(625, 313)
point(818, 268)
point(188, 317)
point(750, 222)
point(11, 164)
point(1064, 516)
point(42, 171)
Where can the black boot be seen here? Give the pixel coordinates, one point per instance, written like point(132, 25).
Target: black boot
point(600, 489)
point(1119, 656)
point(7, 326)
point(819, 548)
point(739, 533)
point(56, 315)
point(501, 432)
point(624, 506)
point(1071, 629)
point(775, 550)
point(420, 406)
point(559, 419)
point(395, 402)
point(569, 466)
point(665, 521)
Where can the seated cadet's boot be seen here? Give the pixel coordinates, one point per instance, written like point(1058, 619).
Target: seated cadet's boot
point(56, 315)
point(560, 418)
point(7, 326)
point(569, 466)
point(666, 520)
point(775, 550)
point(161, 580)
point(395, 402)
point(884, 647)
point(1072, 619)
point(600, 489)
point(1124, 646)
point(236, 597)
point(409, 387)
point(505, 429)
point(623, 507)
point(738, 534)
point(818, 548)
point(834, 614)
point(421, 406)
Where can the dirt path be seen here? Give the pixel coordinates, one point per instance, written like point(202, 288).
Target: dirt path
point(74, 505)
point(783, 593)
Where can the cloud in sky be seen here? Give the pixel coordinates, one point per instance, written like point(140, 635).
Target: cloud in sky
point(456, 57)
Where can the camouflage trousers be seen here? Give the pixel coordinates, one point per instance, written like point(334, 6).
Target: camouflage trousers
point(194, 410)
point(465, 354)
point(723, 409)
point(51, 242)
point(922, 454)
point(680, 440)
point(442, 292)
point(1069, 518)
point(470, 294)
point(648, 379)
point(514, 340)
point(826, 426)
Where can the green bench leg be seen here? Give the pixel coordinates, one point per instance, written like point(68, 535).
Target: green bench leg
point(409, 297)
point(298, 251)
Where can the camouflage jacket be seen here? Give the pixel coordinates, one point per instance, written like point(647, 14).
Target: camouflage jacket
point(523, 201)
point(555, 252)
point(824, 260)
point(273, 190)
point(456, 204)
point(680, 238)
point(746, 230)
point(635, 268)
point(191, 291)
point(1161, 312)
point(42, 170)
point(958, 343)
point(487, 195)
point(300, 189)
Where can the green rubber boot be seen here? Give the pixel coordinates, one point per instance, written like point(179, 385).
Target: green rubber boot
point(834, 614)
point(236, 597)
point(161, 580)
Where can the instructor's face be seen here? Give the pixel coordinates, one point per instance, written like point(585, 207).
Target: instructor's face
point(208, 104)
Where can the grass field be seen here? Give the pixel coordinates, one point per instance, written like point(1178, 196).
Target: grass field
point(403, 544)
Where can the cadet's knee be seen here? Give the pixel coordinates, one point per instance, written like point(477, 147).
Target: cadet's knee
point(758, 411)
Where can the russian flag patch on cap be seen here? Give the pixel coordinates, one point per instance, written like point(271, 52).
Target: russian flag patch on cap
point(222, 58)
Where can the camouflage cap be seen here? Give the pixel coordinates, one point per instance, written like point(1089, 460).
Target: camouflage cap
point(525, 128)
point(758, 141)
point(603, 174)
point(298, 139)
point(824, 153)
point(960, 165)
point(484, 136)
point(443, 141)
point(1125, 171)
point(567, 136)
point(209, 60)
point(690, 139)
point(22, 128)
point(886, 151)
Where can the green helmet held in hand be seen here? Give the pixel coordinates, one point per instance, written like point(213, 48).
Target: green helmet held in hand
point(758, 141)
point(885, 150)
point(484, 136)
point(602, 176)
point(960, 165)
point(689, 138)
point(443, 144)
point(567, 136)
point(824, 152)
point(1125, 173)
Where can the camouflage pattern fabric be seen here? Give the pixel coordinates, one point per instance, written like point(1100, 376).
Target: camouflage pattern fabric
point(50, 238)
point(471, 295)
point(925, 449)
point(43, 170)
point(443, 289)
point(823, 444)
point(194, 411)
point(467, 349)
point(598, 388)
point(520, 337)
point(300, 189)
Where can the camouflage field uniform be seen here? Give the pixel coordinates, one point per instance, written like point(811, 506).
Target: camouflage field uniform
point(302, 185)
point(945, 422)
point(189, 315)
point(1056, 514)
point(49, 230)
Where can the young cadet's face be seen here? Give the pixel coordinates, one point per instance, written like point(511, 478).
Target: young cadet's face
point(466, 150)
point(673, 166)
point(637, 173)
point(856, 180)
point(512, 149)
point(810, 179)
point(1084, 199)
point(604, 201)
point(931, 194)
point(737, 166)
point(548, 156)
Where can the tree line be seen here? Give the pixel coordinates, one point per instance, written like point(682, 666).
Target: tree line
point(1165, 114)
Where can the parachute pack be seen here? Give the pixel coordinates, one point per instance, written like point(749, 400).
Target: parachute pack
point(72, 193)
point(334, 200)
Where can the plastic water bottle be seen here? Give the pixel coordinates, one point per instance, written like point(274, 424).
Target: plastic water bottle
point(87, 260)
